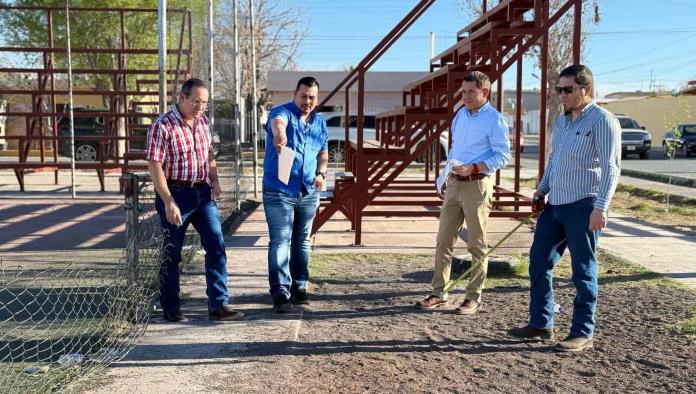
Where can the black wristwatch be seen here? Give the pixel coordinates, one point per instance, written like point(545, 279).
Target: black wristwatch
point(323, 174)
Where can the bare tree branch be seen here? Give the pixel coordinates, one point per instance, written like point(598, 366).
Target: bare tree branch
point(279, 31)
point(560, 48)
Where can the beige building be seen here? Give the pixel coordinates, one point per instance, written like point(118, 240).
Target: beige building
point(383, 90)
point(655, 113)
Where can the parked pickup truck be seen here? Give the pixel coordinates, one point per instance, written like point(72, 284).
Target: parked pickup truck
point(634, 138)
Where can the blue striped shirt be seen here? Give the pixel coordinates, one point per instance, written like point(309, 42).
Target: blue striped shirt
point(585, 159)
point(480, 137)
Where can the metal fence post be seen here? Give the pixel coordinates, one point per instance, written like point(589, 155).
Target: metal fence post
point(131, 189)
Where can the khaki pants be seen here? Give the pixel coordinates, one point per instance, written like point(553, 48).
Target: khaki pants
point(471, 202)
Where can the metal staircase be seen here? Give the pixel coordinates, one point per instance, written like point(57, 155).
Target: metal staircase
point(492, 44)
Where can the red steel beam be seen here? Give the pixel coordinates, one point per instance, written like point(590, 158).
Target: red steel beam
point(85, 9)
point(131, 51)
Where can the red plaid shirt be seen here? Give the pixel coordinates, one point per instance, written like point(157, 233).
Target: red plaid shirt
point(182, 149)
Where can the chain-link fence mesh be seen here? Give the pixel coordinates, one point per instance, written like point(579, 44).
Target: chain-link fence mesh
point(60, 324)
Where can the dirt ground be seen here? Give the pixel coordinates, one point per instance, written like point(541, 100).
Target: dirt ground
point(361, 333)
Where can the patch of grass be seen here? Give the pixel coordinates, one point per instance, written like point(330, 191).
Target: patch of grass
point(687, 326)
point(650, 205)
point(640, 207)
point(530, 183)
point(655, 195)
point(362, 265)
point(612, 270)
point(320, 265)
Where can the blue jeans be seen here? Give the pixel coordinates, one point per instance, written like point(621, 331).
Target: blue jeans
point(199, 209)
point(562, 226)
point(289, 227)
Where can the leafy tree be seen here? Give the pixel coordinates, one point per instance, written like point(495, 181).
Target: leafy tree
point(101, 30)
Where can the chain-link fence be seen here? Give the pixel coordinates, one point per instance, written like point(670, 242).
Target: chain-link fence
point(60, 324)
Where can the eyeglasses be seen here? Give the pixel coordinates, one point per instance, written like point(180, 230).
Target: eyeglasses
point(199, 104)
point(567, 89)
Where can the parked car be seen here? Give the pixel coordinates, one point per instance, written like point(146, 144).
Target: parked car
point(684, 143)
point(93, 126)
point(85, 149)
point(634, 138)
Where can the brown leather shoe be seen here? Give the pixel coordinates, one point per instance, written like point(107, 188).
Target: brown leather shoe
point(469, 307)
point(431, 302)
point(531, 333)
point(225, 313)
point(574, 344)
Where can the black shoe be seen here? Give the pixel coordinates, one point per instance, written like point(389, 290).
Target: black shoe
point(281, 304)
point(174, 317)
point(299, 297)
point(531, 333)
point(225, 313)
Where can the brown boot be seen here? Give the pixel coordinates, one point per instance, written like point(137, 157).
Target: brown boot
point(469, 307)
point(225, 313)
point(574, 344)
point(531, 333)
point(431, 302)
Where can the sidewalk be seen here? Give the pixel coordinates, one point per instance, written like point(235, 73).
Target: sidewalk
point(659, 250)
point(197, 356)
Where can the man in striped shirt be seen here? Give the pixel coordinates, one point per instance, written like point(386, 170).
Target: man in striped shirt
point(184, 174)
point(580, 180)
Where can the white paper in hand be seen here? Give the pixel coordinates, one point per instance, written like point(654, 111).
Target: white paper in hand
point(285, 159)
point(440, 182)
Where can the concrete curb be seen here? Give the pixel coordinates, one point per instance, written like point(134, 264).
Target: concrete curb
point(676, 180)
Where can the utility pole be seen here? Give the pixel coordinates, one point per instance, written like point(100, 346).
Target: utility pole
point(432, 48)
point(652, 82)
point(235, 109)
point(211, 70)
point(255, 115)
point(70, 103)
point(162, 52)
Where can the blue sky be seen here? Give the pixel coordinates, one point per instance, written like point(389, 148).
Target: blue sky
point(633, 39)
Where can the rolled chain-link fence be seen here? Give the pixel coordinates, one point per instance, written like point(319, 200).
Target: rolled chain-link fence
point(59, 325)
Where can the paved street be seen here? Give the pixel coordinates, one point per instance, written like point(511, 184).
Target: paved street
point(658, 162)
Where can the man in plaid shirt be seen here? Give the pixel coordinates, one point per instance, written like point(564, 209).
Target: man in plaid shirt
point(184, 173)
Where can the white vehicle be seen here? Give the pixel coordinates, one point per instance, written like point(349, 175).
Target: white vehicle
point(634, 138)
point(337, 132)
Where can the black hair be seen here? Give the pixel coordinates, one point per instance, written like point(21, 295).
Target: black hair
point(580, 73)
point(307, 81)
point(188, 86)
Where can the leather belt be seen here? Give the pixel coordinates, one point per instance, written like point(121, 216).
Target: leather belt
point(474, 177)
point(190, 184)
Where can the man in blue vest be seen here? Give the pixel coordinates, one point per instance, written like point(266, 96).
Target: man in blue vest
point(290, 207)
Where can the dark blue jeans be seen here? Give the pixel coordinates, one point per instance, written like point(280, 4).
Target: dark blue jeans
point(289, 227)
point(200, 210)
point(562, 226)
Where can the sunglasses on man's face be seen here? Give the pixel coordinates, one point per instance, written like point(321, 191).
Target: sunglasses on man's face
point(567, 89)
